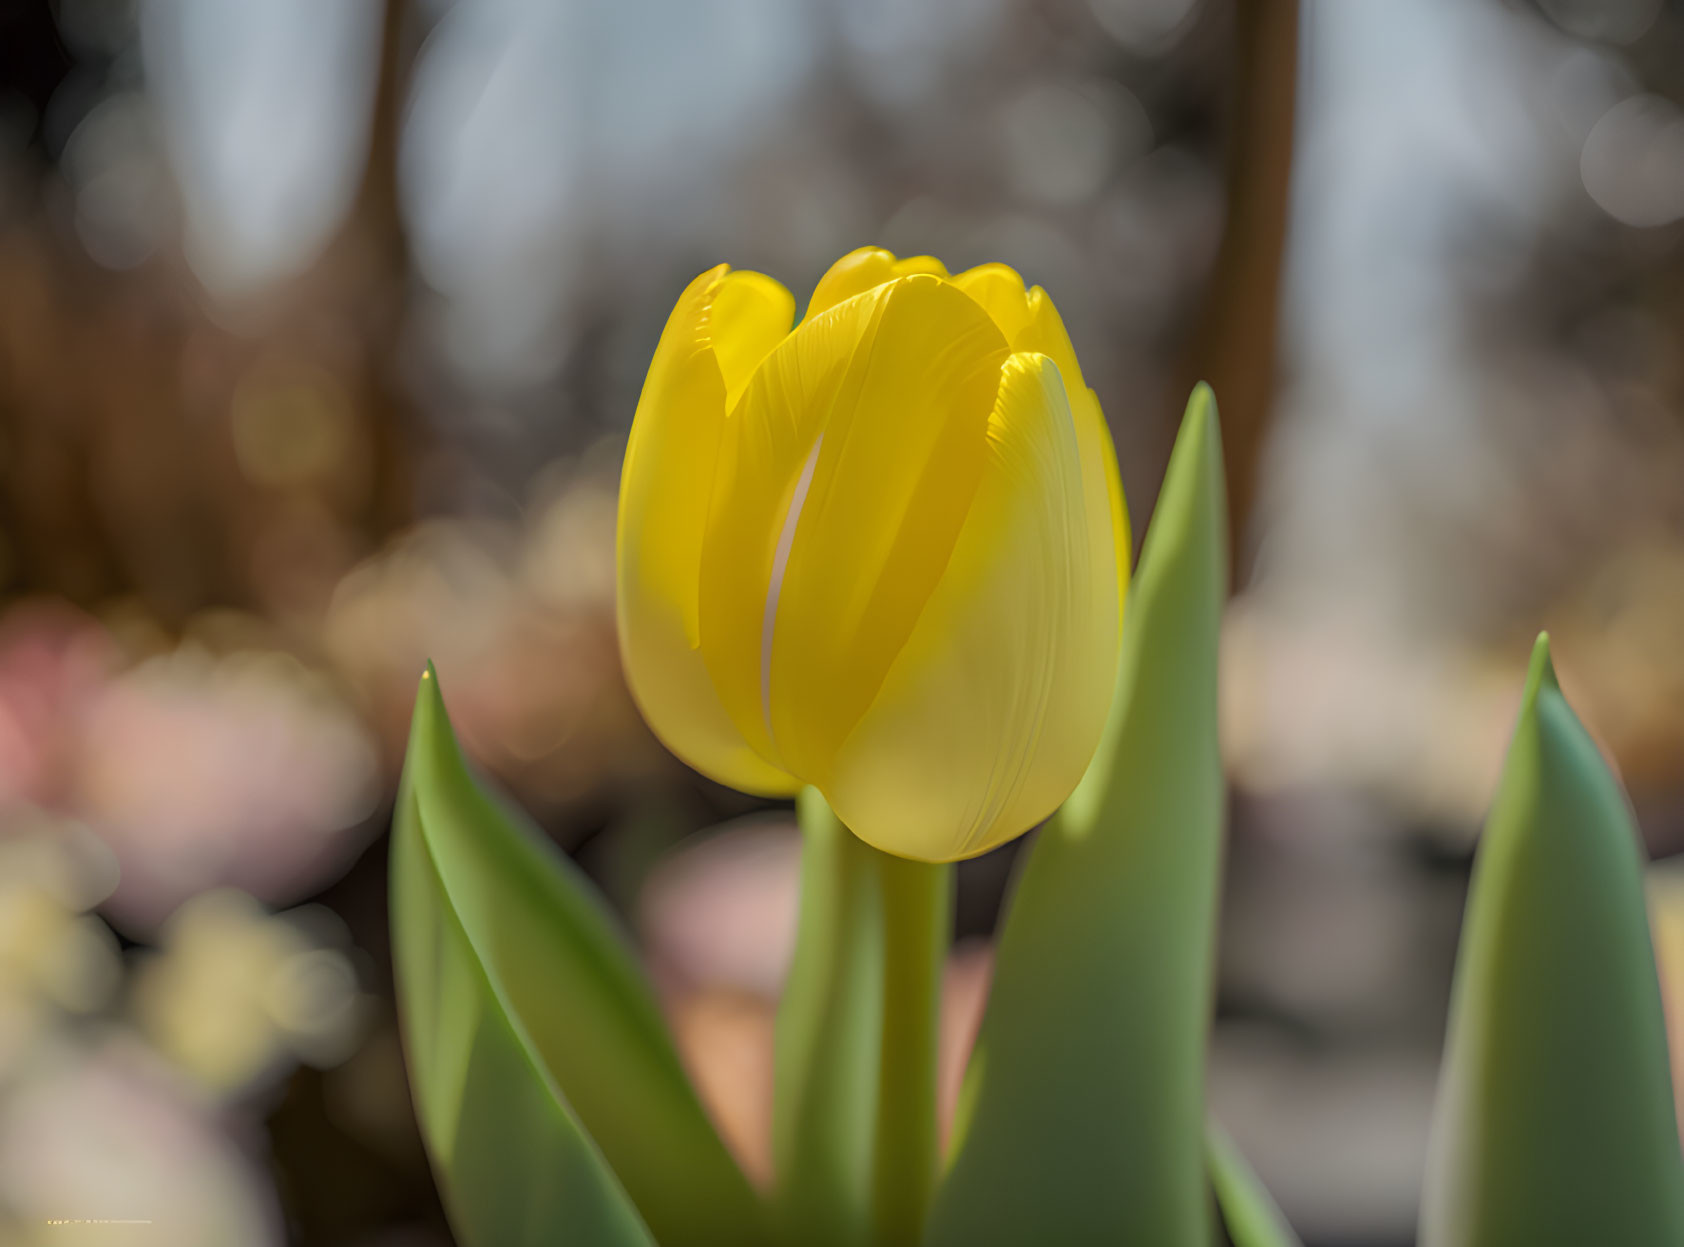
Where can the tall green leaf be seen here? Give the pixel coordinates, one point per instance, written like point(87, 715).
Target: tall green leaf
point(496, 934)
point(1248, 1210)
point(1082, 1119)
point(1555, 1117)
point(854, 1124)
point(515, 1166)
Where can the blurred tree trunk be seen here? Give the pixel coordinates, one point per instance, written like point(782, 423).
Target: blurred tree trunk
point(121, 395)
point(378, 216)
point(1235, 344)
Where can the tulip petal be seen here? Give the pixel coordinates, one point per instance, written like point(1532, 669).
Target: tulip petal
point(1102, 485)
point(752, 313)
point(1031, 322)
point(723, 325)
point(846, 473)
point(999, 289)
point(993, 708)
point(1044, 332)
point(1027, 318)
point(862, 269)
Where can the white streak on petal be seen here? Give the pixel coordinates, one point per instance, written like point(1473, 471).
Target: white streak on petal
point(774, 586)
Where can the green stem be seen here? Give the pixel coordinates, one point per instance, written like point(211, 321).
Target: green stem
point(824, 1062)
point(917, 922)
point(854, 1116)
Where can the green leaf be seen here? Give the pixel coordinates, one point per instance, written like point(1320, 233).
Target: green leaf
point(550, 1093)
point(1248, 1211)
point(1555, 1120)
point(854, 1116)
point(515, 1166)
point(1082, 1118)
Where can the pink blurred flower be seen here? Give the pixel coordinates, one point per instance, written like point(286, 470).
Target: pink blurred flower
point(243, 770)
point(53, 661)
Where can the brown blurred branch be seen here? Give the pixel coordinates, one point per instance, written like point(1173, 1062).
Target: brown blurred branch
point(1234, 347)
point(378, 218)
point(120, 475)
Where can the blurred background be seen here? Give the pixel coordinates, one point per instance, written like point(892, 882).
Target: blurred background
point(321, 326)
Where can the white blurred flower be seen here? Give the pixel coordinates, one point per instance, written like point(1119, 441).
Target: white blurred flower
point(53, 957)
point(102, 1146)
point(234, 994)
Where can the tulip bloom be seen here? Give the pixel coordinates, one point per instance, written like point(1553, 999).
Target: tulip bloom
point(883, 553)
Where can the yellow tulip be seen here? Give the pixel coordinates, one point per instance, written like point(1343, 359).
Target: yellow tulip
point(883, 553)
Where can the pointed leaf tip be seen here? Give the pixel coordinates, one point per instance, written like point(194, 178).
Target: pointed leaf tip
point(1201, 403)
point(1201, 426)
point(427, 690)
point(1556, 1075)
point(1200, 438)
point(1540, 673)
point(1193, 500)
point(431, 734)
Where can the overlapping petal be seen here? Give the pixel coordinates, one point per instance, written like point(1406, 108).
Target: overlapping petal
point(752, 313)
point(992, 708)
point(1045, 333)
point(999, 289)
point(863, 268)
point(883, 554)
point(1031, 322)
point(723, 325)
point(846, 473)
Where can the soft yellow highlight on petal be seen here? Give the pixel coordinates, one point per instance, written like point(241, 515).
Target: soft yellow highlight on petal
point(993, 707)
point(1045, 332)
point(899, 381)
point(1104, 483)
point(863, 268)
point(665, 487)
point(1031, 323)
point(751, 314)
point(1000, 291)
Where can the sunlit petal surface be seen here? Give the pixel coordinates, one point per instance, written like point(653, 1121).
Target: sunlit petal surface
point(847, 470)
point(863, 268)
point(999, 289)
point(1031, 322)
point(991, 710)
point(722, 324)
point(883, 553)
